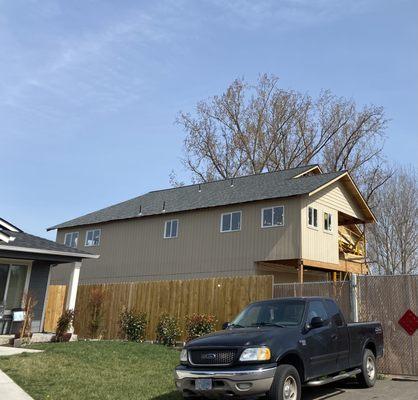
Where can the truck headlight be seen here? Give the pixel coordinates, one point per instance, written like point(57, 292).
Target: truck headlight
point(183, 355)
point(256, 354)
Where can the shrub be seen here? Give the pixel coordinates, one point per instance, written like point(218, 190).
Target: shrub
point(198, 325)
point(133, 325)
point(96, 302)
point(167, 330)
point(64, 324)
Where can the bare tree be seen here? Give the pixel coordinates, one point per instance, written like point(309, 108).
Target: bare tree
point(250, 129)
point(393, 240)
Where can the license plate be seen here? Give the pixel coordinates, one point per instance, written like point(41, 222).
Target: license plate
point(203, 384)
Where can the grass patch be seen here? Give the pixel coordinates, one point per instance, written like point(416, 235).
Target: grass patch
point(95, 370)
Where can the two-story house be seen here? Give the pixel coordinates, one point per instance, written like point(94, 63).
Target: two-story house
point(298, 224)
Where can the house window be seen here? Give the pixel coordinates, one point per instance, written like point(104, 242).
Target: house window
point(312, 217)
point(71, 239)
point(12, 285)
point(171, 228)
point(327, 222)
point(93, 238)
point(231, 222)
point(272, 216)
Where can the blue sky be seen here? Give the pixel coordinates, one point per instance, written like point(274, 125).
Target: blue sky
point(89, 90)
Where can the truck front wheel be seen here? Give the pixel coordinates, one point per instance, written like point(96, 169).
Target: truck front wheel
point(286, 384)
point(367, 377)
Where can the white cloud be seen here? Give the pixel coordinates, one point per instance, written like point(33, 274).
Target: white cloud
point(286, 14)
point(92, 68)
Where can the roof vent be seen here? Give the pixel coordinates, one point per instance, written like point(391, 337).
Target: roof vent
point(199, 188)
point(140, 211)
point(232, 183)
point(163, 206)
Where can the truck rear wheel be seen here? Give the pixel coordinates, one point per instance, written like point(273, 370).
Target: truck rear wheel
point(368, 375)
point(286, 384)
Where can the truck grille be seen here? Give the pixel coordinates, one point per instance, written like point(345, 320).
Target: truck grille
point(213, 357)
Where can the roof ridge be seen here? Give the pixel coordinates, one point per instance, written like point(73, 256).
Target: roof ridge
point(323, 174)
point(236, 177)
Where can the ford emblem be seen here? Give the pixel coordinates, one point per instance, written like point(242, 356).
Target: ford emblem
point(209, 356)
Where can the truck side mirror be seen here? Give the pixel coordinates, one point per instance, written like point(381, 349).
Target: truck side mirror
point(317, 322)
point(225, 325)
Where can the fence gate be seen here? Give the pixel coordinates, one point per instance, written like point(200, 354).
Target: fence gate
point(54, 306)
point(378, 298)
point(386, 299)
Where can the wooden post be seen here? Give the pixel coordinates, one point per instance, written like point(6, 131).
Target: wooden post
point(300, 271)
point(334, 276)
point(72, 289)
point(300, 277)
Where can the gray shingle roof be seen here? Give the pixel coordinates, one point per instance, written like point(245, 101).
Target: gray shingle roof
point(244, 189)
point(27, 241)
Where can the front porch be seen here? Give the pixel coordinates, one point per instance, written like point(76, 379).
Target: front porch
point(25, 267)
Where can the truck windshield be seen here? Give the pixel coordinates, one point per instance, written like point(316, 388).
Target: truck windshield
point(280, 313)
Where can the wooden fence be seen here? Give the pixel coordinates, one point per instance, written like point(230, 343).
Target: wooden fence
point(54, 306)
point(378, 297)
point(222, 297)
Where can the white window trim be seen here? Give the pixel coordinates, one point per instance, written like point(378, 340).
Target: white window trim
point(329, 231)
point(316, 228)
point(27, 279)
point(87, 233)
point(271, 226)
point(165, 229)
point(231, 230)
point(72, 233)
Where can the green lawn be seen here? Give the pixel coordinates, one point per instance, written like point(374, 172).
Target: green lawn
point(95, 370)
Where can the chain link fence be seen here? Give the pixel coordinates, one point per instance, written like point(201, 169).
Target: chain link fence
point(373, 298)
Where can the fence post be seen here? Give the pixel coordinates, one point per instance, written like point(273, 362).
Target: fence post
point(354, 297)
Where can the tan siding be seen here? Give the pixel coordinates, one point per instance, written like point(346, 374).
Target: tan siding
point(133, 250)
point(317, 244)
point(336, 196)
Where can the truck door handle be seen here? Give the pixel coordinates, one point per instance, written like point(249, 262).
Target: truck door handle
point(334, 336)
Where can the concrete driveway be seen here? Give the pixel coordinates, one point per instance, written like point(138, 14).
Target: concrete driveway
point(384, 390)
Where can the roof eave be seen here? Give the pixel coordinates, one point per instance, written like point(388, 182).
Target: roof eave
point(48, 252)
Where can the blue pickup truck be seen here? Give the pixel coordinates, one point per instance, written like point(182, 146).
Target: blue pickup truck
point(275, 347)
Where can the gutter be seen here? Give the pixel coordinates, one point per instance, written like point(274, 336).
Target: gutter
point(50, 252)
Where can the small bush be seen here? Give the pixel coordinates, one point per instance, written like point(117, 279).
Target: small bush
point(64, 324)
point(133, 325)
point(168, 330)
point(198, 325)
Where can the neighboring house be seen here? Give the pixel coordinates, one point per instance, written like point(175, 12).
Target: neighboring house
point(25, 267)
point(298, 224)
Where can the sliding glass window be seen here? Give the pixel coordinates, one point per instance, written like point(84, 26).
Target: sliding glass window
point(12, 285)
point(4, 273)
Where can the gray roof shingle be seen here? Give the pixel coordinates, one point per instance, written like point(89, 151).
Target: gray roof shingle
point(244, 189)
point(27, 241)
